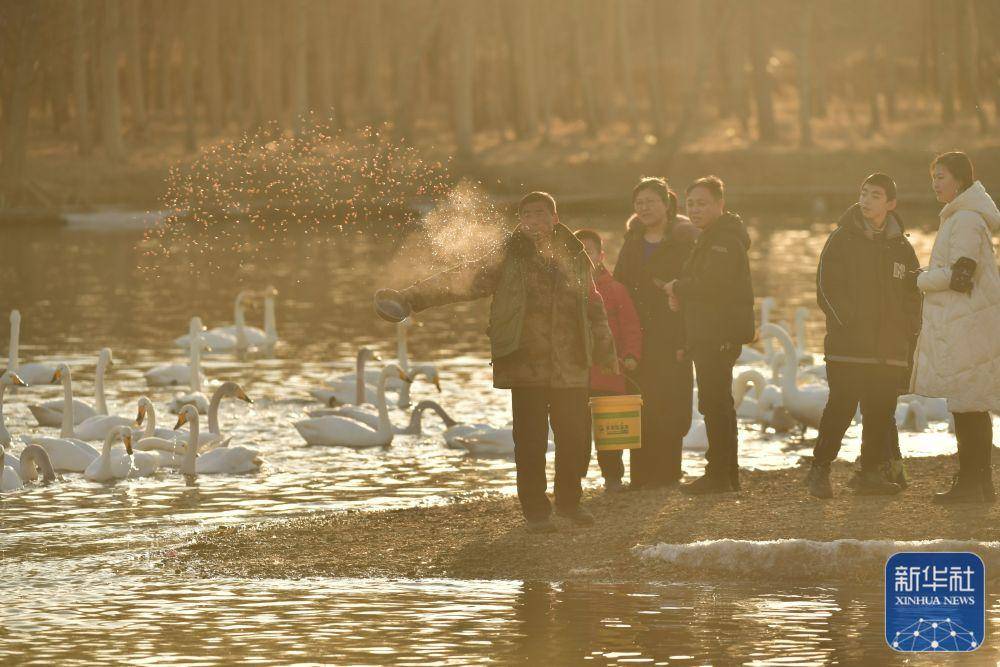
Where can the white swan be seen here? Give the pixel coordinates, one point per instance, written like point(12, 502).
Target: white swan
point(67, 453)
point(749, 355)
point(805, 357)
point(223, 339)
point(935, 409)
point(7, 380)
point(354, 391)
point(336, 430)
point(10, 480)
point(805, 404)
point(49, 413)
point(696, 439)
point(196, 396)
point(219, 461)
point(266, 338)
point(111, 465)
point(402, 358)
point(912, 417)
point(34, 460)
point(169, 375)
point(36, 373)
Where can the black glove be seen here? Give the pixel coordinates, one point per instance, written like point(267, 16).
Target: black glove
point(961, 275)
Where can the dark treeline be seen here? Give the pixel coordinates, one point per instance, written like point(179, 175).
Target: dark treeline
point(112, 74)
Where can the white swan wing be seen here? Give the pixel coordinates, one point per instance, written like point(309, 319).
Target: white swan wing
point(229, 460)
point(336, 430)
point(66, 454)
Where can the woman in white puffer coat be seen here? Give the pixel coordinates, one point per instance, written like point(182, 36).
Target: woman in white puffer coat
point(958, 351)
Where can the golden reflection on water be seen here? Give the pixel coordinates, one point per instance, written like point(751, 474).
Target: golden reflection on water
point(73, 556)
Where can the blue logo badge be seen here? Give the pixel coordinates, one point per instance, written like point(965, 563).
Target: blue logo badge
point(935, 601)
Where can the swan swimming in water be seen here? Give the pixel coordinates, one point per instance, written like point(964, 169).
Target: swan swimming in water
point(223, 339)
point(343, 431)
point(219, 461)
point(110, 465)
point(67, 453)
point(805, 404)
point(7, 380)
point(36, 373)
point(169, 375)
point(49, 413)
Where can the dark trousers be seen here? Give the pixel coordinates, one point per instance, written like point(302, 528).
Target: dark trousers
point(714, 369)
point(611, 461)
point(569, 412)
point(876, 387)
point(667, 387)
point(974, 433)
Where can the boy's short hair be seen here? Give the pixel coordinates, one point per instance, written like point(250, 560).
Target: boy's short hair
point(712, 183)
point(535, 197)
point(590, 235)
point(884, 181)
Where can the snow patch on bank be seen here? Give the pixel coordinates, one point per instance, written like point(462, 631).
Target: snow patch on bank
point(811, 559)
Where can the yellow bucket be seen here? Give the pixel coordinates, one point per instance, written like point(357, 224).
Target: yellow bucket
point(617, 422)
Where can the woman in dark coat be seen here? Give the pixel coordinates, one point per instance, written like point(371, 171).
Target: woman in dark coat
point(657, 243)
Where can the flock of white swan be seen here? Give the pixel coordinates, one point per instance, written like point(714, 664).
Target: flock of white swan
point(355, 410)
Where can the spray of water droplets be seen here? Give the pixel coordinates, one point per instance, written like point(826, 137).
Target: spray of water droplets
point(248, 197)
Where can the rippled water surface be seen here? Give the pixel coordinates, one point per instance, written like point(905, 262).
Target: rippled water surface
point(78, 580)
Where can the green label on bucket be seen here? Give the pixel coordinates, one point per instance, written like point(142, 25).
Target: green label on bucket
point(627, 440)
point(615, 415)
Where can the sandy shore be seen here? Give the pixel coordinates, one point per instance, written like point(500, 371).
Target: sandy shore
point(484, 537)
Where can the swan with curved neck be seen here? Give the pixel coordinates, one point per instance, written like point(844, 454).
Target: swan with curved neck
point(67, 453)
point(223, 460)
point(805, 404)
point(35, 460)
point(32, 373)
point(108, 466)
point(337, 430)
point(49, 413)
point(366, 416)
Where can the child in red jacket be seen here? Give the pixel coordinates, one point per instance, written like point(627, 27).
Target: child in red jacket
point(624, 323)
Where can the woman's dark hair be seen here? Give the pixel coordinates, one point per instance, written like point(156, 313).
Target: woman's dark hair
point(662, 190)
point(958, 165)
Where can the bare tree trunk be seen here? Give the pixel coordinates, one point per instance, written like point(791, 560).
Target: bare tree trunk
point(523, 44)
point(463, 59)
point(625, 60)
point(654, 65)
point(695, 26)
point(168, 20)
point(875, 118)
point(946, 59)
point(14, 150)
point(321, 36)
point(255, 66)
point(583, 77)
point(133, 61)
point(969, 38)
point(111, 114)
point(211, 81)
point(300, 72)
point(190, 111)
point(805, 75)
point(80, 92)
point(760, 51)
point(371, 14)
point(238, 68)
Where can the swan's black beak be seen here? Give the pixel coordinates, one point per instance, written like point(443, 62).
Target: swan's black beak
point(57, 376)
point(242, 395)
point(437, 384)
point(127, 439)
point(16, 380)
point(141, 416)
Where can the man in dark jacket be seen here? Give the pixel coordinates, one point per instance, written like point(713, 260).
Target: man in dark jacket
point(715, 294)
point(866, 286)
point(547, 325)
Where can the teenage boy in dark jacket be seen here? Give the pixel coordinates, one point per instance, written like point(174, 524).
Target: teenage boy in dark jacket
point(866, 286)
point(547, 327)
point(715, 294)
